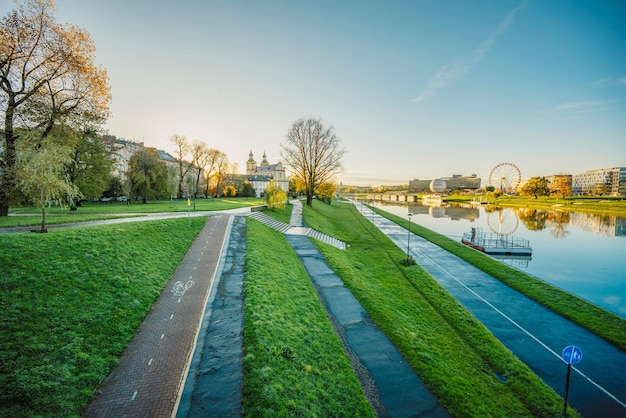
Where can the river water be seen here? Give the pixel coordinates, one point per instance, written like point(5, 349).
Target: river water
point(584, 254)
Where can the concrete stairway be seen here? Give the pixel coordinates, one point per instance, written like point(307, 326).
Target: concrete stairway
point(296, 230)
point(271, 222)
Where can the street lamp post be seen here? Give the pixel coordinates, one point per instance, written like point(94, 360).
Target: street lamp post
point(408, 241)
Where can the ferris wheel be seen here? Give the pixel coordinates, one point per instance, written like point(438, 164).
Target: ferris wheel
point(505, 177)
point(503, 221)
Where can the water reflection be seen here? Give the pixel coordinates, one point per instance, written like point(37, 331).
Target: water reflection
point(506, 220)
point(579, 252)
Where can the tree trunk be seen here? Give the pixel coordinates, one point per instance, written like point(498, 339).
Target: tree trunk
point(309, 198)
point(8, 180)
point(43, 212)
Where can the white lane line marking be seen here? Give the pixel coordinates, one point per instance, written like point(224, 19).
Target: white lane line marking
point(162, 335)
point(171, 316)
point(150, 362)
point(134, 396)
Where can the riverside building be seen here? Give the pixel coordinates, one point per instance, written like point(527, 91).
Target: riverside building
point(611, 181)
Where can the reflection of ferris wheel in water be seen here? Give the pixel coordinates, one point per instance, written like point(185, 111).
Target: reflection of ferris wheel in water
point(503, 221)
point(505, 177)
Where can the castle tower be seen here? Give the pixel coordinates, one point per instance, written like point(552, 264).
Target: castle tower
point(251, 164)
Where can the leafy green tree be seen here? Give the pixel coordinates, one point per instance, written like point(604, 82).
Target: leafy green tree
point(275, 197)
point(115, 187)
point(247, 190)
point(148, 175)
point(42, 171)
point(536, 186)
point(91, 168)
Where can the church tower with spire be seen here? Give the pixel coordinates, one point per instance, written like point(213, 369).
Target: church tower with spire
point(251, 164)
point(264, 161)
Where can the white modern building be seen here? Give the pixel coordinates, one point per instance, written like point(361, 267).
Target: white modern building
point(612, 180)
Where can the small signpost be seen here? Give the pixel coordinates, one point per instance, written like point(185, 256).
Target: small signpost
point(571, 355)
point(188, 211)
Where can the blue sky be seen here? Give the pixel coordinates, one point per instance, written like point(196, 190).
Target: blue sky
point(414, 89)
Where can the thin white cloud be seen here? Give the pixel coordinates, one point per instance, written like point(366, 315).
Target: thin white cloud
point(607, 81)
point(459, 67)
point(582, 107)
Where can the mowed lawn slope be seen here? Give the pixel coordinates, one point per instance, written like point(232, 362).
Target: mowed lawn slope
point(71, 300)
point(294, 364)
point(468, 370)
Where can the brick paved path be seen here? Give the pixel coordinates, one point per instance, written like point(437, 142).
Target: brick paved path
point(147, 381)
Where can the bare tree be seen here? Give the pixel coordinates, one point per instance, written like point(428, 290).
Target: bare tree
point(182, 149)
point(210, 162)
point(312, 153)
point(47, 76)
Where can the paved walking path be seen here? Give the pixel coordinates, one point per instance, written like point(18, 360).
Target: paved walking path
point(395, 389)
point(148, 378)
point(533, 333)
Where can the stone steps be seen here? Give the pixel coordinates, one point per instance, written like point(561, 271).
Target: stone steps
point(284, 228)
point(281, 227)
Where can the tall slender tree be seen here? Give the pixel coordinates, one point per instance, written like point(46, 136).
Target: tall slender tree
point(181, 151)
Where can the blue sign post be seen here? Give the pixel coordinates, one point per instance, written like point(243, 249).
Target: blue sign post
point(571, 355)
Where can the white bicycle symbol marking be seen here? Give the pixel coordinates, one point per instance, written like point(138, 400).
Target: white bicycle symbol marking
point(179, 288)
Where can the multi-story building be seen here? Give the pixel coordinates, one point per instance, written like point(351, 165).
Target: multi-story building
point(122, 150)
point(611, 181)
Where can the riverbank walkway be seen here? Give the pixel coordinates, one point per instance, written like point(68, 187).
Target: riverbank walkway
point(532, 332)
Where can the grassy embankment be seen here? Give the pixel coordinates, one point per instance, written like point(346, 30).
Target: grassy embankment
point(599, 321)
point(294, 364)
point(71, 301)
point(459, 360)
point(31, 216)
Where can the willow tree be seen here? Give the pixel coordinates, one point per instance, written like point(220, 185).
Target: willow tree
point(42, 171)
point(312, 153)
point(47, 77)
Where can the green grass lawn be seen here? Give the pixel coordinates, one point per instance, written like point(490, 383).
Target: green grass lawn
point(294, 364)
point(28, 216)
point(71, 301)
point(597, 320)
point(456, 356)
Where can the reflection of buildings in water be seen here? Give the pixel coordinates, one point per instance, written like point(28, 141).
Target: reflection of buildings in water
point(608, 225)
point(437, 211)
point(455, 213)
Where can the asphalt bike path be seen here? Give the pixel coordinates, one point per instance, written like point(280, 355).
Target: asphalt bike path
point(148, 379)
point(532, 332)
